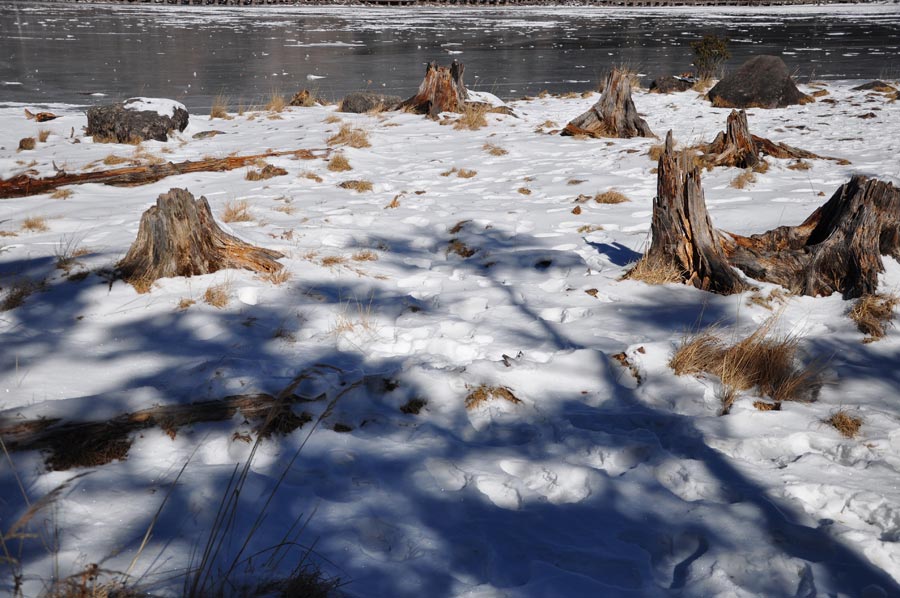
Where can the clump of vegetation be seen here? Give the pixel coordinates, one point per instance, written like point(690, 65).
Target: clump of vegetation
point(312, 176)
point(26, 144)
point(357, 185)
point(848, 425)
point(364, 255)
point(610, 197)
point(339, 163)
point(743, 179)
point(43, 135)
point(494, 150)
point(276, 103)
point(35, 223)
point(237, 211)
point(351, 136)
point(218, 295)
point(276, 277)
point(762, 360)
point(799, 165)
point(483, 393)
point(873, 314)
point(219, 108)
point(465, 173)
point(266, 172)
point(16, 293)
point(62, 194)
point(472, 117)
point(524, 190)
point(709, 54)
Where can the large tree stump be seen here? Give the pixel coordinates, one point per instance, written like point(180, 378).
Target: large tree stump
point(837, 249)
point(614, 114)
point(681, 230)
point(442, 90)
point(179, 237)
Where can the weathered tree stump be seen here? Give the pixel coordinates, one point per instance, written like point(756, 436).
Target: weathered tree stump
point(614, 114)
point(179, 237)
point(681, 230)
point(442, 90)
point(734, 146)
point(837, 249)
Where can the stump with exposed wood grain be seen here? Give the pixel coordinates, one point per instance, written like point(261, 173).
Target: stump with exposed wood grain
point(179, 237)
point(614, 114)
point(442, 90)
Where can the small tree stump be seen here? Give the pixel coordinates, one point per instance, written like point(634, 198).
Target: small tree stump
point(837, 249)
point(681, 230)
point(442, 90)
point(179, 237)
point(734, 146)
point(614, 114)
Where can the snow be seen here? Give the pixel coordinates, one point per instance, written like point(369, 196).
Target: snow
point(594, 484)
point(161, 106)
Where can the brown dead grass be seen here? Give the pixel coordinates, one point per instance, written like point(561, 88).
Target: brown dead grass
point(237, 211)
point(494, 150)
point(359, 186)
point(330, 261)
point(524, 191)
point(36, 224)
point(483, 393)
point(185, 302)
point(848, 425)
point(62, 194)
point(656, 151)
point(112, 160)
point(742, 180)
point(277, 277)
point(312, 176)
point(16, 292)
point(339, 163)
point(219, 108)
point(27, 144)
point(611, 197)
point(277, 102)
point(799, 165)
point(764, 361)
point(218, 295)
point(465, 173)
point(873, 315)
point(655, 271)
point(350, 136)
point(365, 255)
point(472, 117)
point(43, 135)
point(266, 172)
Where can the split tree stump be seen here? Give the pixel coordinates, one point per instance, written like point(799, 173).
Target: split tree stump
point(442, 90)
point(837, 249)
point(614, 114)
point(179, 237)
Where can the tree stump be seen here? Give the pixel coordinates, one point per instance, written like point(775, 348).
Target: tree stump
point(681, 230)
point(837, 249)
point(179, 237)
point(614, 114)
point(442, 90)
point(734, 146)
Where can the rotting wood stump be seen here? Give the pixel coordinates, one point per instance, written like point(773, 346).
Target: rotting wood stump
point(737, 147)
point(837, 249)
point(179, 237)
point(614, 114)
point(442, 90)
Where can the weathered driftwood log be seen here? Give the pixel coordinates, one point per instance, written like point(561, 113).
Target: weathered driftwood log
point(24, 185)
point(442, 90)
point(837, 249)
point(614, 114)
point(736, 146)
point(681, 230)
point(179, 237)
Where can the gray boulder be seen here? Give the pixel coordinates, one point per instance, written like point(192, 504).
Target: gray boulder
point(761, 82)
point(669, 84)
point(361, 102)
point(136, 120)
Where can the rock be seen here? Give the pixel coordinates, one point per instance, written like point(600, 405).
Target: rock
point(207, 134)
point(135, 120)
point(876, 85)
point(361, 102)
point(761, 82)
point(669, 84)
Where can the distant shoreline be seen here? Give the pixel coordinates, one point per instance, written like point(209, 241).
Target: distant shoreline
point(486, 3)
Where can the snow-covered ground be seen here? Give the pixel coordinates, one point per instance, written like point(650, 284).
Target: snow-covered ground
point(593, 485)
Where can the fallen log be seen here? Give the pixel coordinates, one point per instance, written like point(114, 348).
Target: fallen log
point(179, 237)
point(837, 249)
point(614, 114)
point(25, 185)
point(442, 90)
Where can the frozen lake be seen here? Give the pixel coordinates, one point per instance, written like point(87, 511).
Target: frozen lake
point(74, 53)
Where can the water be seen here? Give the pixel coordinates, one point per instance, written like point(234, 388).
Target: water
point(91, 54)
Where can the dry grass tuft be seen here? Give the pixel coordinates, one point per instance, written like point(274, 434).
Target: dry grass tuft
point(610, 197)
point(112, 160)
point(800, 165)
point(277, 103)
point(586, 229)
point(332, 119)
point(494, 150)
point(575, 181)
point(655, 271)
point(848, 425)
point(62, 194)
point(873, 314)
point(524, 190)
point(330, 261)
point(483, 393)
point(761, 167)
point(763, 361)
point(656, 151)
point(313, 176)
point(218, 295)
point(472, 117)
point(465, 173)
point(237, 211)
point(266, 172)
point(43, 135)
point(26, 144)
point(16, 293)
point(743, 179)
point(350, 136)
point(358, 186)
point(219, 108)
point(35, 223)
point(277, 277)
point(365, 255)
point(339, 163)
point(185, 302)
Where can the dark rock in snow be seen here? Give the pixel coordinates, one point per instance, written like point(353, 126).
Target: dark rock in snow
point(669, 84)
point(761, 82)
point(362, 102)
point(876, 85)
point(135, 120)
